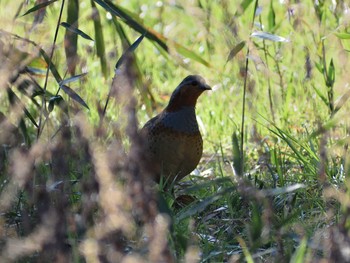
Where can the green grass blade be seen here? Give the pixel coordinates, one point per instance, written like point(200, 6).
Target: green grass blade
point(99, 41)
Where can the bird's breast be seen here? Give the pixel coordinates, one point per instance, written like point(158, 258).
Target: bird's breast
point(183, 120)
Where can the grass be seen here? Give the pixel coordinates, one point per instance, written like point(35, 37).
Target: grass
point(74, 184)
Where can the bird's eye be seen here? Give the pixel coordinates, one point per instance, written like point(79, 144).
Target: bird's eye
point(194, 83)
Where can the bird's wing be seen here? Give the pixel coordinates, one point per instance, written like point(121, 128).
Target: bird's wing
point(150, 124)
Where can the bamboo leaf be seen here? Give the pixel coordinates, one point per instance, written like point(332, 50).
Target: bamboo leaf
point(99, 40)
point(71, 93)
point(129, 50)
point(39, 6)
point(235, 50)
point(269, 36)
point(53, 68)
point(72, 79)
point(14, 99)
point(76, 31)
point(131, 20)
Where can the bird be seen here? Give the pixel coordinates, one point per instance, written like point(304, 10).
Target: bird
point(172, 138)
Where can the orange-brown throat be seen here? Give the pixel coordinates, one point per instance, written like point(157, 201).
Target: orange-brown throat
point(185, 100)
point(187, 93)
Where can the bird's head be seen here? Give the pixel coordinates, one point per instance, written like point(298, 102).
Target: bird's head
point(187, 93)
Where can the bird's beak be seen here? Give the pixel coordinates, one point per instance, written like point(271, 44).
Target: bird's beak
point(206, 87)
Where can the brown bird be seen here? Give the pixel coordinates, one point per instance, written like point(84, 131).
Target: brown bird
point(172, 137)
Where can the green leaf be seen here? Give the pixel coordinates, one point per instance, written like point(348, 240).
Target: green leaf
point(52, 66)
point(342, 35)
point(197, 207)
point(39, 6)
point(71, 93)
point(47, 59)
point(319, 67)
point(99, 41)
point(269, 36)
point(299, 254)
point(55, 100)
point(330, 74)
point(132, 21)
point(76, 31)
point(271, 17)
point(190, 54)
point(236, 151)
point(129, 50)
point(14, 100)
point(341, 101)
point(71, 35)
point(319, 93)
point(72, 79)
point(283, 190)
point(235, 50)
point(256, 225)
point(243, 6)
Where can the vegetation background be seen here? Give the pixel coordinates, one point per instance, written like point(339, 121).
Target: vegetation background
point(272, 185)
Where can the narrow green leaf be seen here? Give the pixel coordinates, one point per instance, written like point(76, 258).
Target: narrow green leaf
point(197, 207)
point(283, 190)
point(341, 101)
point(319, 67)
point(129, 50)
point(331, 74)
point(25, 132)
point(72, 79)
point(53, 68)
point(235, 50)
point(269, 36)
point(299, 254)
point(247, 255)
point(71, 93)
point(342, 35)
point(71, 35)
point(243, 6)
point(14, 99)
point(39, 6)
point(236, 151)
point(190, 54)
point(271, 17)
point(76, 31)
point(132, 20)
point(319, 93)
point(256, 225)
point(99, 41)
